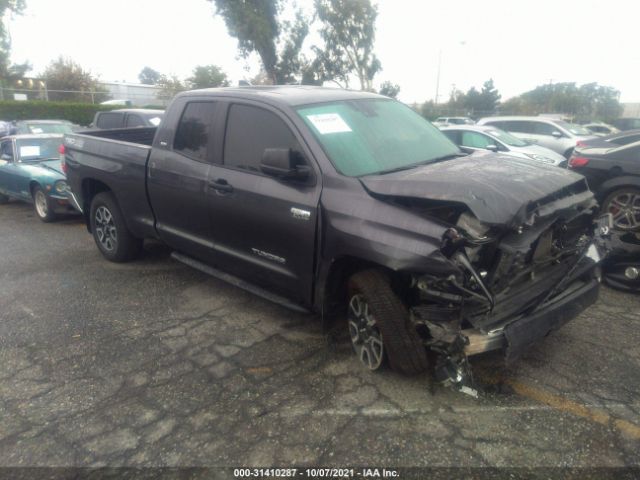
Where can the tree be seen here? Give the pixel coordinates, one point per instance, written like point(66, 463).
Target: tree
point(149, 76)
point(170, 86)
point(207, 76)
point(67, 80)
point(348, 31)
point(389, 89)
point(7, 70)
point(588, 101)
point(257, 26)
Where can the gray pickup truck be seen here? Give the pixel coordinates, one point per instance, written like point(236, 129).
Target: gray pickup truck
point(350, 205)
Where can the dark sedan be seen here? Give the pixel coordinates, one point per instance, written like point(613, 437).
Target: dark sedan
point(613, 174)
point(610, 141)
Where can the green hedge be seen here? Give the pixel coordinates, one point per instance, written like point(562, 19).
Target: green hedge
point(80, 113)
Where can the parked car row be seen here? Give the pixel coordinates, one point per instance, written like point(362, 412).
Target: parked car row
point(30, 166)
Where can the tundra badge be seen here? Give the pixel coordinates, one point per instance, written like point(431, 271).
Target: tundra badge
point(300, 214)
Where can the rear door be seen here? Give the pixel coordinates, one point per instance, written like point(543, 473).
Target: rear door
point(177, 177)
point(264, 227)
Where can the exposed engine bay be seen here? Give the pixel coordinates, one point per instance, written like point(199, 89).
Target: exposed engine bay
point(505, 276)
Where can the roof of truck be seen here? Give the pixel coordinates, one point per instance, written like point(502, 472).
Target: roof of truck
point(292, 95)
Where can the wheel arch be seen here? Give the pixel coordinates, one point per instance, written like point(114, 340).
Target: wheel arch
point(90, 188)
point(32, 186)
point(612, 184)
point(331, 291)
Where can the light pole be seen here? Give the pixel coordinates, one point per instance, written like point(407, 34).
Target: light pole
point(438, 77)
point(462, 43)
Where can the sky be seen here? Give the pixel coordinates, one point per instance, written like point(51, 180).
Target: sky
point(518, 43)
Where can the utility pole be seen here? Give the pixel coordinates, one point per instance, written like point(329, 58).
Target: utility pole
point(438, 77)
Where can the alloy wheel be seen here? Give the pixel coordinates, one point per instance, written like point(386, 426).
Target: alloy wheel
point(41, 204)
point(625, 209)
point(105, 228)
point(365, 335)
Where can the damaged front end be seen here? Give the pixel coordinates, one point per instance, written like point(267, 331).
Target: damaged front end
point(514, 282)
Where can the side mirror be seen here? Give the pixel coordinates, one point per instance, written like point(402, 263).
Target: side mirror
point(5, 157)
point(492, 148)
point(556, 134)
point(284, 163)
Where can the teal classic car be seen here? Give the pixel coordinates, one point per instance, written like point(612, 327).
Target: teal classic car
point(31, 171)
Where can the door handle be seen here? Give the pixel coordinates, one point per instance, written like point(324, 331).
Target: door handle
point(221, 185)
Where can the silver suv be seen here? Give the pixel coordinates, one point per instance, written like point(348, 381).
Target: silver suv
point(557, 135)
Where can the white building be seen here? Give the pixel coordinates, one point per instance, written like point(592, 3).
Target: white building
point(137, 94)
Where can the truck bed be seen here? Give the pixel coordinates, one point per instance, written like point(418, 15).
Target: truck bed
point(115, 160)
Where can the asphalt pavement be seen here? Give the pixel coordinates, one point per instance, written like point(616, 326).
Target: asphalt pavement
point(152, 364)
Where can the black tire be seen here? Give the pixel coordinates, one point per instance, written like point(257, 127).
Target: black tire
point(3, 199)
point(42, 205)
point(112, 237)
point(403, 346)
point(626, 224)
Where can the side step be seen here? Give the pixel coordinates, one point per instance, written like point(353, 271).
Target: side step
point(233, 280)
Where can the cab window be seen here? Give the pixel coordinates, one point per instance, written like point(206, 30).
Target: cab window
point(194, 130)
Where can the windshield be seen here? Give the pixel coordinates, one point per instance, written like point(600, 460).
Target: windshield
point(573, 128)
point(507, 138)
point(362, 137)
point(38, 149)
point(48, 128)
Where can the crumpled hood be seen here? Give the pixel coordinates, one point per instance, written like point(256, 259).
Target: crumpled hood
point(494, 187)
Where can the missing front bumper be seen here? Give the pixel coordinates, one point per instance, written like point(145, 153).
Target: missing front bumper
point(521, 333)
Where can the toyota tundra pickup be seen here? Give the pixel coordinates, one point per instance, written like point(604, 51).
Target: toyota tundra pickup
point(350, 205)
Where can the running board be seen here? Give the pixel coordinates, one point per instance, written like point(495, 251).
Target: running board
point(233, 280)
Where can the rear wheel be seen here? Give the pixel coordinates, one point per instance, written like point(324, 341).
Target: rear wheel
point(110, 232)
point(380, 328)
point(624, 205)
point(42, 205)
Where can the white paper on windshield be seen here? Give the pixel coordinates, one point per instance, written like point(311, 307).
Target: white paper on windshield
point(155, 121)
point(30, 151)
point(36, 130)
point(329, 123)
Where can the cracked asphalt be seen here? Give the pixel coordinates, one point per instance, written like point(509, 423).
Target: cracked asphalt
point(154, 364)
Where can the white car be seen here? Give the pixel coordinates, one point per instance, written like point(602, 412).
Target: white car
point(557, 135)
point(477, 137)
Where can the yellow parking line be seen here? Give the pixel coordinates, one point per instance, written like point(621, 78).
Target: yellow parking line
point(569, 406)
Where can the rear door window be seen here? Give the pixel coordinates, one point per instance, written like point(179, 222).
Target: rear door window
point(134, 121)
point(250, 130)
point(542, 128)
point(194, 130)
point(110, 120)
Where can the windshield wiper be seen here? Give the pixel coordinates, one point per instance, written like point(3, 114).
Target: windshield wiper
point(426, 162)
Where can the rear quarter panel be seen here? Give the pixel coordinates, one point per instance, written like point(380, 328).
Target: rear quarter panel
point(121, 167)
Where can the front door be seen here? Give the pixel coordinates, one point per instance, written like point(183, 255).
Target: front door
point(264, 228)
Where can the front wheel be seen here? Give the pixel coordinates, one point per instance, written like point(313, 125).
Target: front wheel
point(380, 327)
point(110, 232)
point(624, 206)
point(42, 206)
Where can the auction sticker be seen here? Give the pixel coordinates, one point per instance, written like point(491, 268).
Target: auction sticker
point(329, 123)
